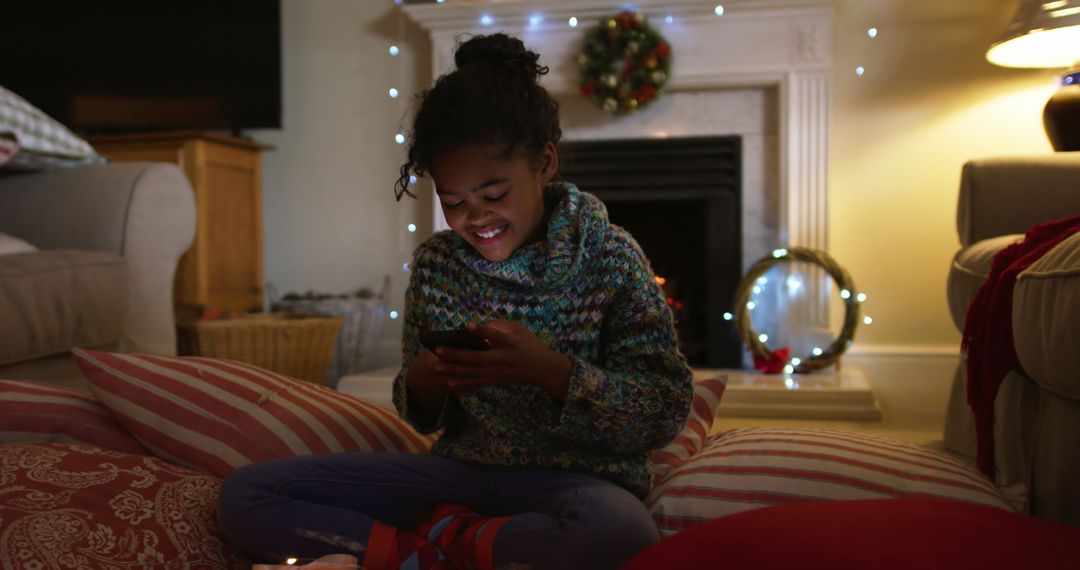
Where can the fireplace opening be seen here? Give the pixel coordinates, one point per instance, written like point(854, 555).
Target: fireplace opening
point(680, 199)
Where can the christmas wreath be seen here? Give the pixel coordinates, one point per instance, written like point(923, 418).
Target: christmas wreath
point(779, 360)
point(624, 64)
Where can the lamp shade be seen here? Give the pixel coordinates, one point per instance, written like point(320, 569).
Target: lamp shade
point(1043, 33)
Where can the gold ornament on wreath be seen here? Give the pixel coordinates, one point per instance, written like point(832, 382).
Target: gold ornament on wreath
point(779, 360)
point(624, 63)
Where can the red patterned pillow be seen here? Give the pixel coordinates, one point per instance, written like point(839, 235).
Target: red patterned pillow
point(691, 439)
point(31, 411)
point(77, 506)
point(216, 415)
point(748, 468)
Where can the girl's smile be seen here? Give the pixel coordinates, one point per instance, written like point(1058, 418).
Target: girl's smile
point(492, 235)
point(494, 202)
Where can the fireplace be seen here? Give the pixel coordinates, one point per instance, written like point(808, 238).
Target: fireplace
point(680, 199)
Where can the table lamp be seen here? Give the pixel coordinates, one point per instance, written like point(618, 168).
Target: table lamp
point(1046, 33)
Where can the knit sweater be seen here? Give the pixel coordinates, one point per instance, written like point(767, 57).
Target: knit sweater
point(588, 292)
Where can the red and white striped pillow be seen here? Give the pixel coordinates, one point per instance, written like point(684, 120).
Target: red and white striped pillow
point(748, 468)
point(34, 412)
point(216, 415)
point(691, 439)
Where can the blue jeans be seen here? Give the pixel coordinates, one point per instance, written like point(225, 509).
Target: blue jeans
point(315, 505)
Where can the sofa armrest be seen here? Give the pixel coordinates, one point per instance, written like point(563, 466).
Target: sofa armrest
point(142, 211)
point(1000, 196)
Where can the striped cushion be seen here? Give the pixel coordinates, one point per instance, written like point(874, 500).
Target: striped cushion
point(217, 415)
point(707, 394)
point(35, 412)
point(748, 468)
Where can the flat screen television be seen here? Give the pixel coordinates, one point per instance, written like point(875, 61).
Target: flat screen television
point(128, 66)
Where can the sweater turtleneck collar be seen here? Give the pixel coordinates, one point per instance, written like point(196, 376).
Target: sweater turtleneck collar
point(577, 225)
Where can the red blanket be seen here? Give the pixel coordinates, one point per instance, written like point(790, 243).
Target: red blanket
point(988, 337)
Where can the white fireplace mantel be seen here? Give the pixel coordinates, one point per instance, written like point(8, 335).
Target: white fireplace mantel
point(782, 44)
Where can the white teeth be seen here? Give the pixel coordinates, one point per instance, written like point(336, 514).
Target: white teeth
point(492, 233)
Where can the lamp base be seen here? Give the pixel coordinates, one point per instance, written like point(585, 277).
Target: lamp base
point(1061, 116)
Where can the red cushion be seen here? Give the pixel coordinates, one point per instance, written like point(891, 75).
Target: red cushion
point(889, 534)
point(75, 506)
point(32, 411)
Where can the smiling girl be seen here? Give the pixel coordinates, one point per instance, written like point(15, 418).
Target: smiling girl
point(544, 454)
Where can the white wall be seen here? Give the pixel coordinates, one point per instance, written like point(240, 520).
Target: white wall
point(331, 221)
point(928, 102)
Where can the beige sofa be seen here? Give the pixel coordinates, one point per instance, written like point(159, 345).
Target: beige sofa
point(109, 238)
point(1037, 409)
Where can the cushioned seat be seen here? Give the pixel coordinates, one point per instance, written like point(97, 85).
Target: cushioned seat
point(970, 267)
point(53, 300)
point(1046, 318)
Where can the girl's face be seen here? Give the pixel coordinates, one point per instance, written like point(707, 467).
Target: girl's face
point(495, 204)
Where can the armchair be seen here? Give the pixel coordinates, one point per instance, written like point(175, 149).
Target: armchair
point(1037, 408)
point(138, 216)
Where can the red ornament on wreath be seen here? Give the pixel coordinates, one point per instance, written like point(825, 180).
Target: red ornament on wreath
point(624, 63)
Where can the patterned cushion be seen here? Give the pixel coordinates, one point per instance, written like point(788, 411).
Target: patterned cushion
point(30, 411)
point(217, 415)
point(707, 394)
point(749, 468)
point(77, 506)
point(45, 144)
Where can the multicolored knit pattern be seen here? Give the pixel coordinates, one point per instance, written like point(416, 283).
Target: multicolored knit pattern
point(588, 292)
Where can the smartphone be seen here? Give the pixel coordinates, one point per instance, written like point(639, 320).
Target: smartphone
point(457, 338)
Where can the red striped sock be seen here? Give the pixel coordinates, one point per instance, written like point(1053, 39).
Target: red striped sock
point(464, 537)
point(390, 549)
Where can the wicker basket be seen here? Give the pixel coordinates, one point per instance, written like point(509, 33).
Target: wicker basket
point(363, 319)
point(299, 346)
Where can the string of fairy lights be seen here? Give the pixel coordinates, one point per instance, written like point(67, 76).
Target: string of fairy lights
point(394, 93)
point(536, 19)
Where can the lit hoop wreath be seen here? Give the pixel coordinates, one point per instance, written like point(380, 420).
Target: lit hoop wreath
point(816, 257)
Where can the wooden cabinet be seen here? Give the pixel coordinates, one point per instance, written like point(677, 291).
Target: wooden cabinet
point(224, 267)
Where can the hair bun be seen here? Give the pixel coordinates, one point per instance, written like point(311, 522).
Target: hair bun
point(499, 51)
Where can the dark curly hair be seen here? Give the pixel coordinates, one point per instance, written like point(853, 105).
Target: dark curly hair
point(491, 98)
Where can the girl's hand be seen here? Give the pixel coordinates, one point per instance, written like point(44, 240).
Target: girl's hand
point(517, 356)
point(428, 387)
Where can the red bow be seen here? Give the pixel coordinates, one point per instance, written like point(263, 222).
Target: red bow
point(775, 363)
